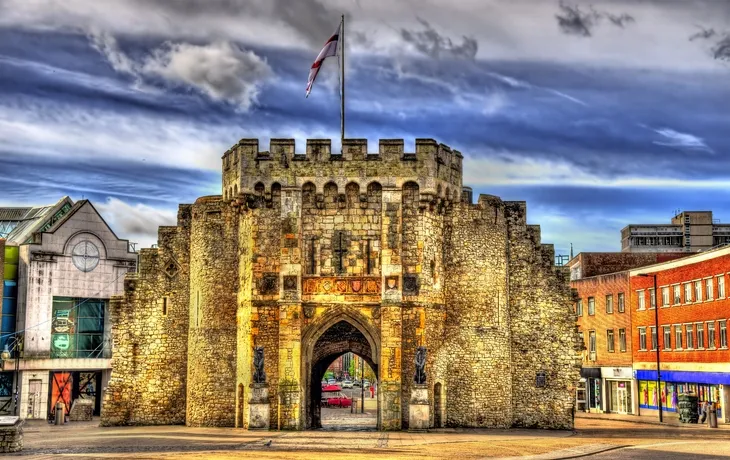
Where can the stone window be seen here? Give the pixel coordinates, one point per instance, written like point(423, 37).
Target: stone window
point(622, 340)
point(591, 306)
point(641, 298)
point(642, 339)
point(621, 302)
point(609, 304)
point(610, 342)
point(164, 304)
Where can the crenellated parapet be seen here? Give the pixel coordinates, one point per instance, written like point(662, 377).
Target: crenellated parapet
point(248, 170)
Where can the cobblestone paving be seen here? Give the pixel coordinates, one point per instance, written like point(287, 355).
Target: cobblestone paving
point(593, 438)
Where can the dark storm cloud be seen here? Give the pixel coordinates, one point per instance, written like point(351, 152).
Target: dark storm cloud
point(572, 20)
point(436, 45)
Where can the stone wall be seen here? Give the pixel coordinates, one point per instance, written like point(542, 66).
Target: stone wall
point(149, 335)
point(544, 336)
point(11, 437)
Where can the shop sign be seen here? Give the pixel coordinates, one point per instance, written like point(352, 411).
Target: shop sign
point(616, 373)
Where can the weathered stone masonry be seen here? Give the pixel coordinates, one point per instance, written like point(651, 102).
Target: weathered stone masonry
point(310, 256)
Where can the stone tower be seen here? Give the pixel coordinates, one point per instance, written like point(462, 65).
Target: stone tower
point(311, 256)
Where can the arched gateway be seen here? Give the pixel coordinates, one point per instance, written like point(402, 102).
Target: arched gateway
point(233, 318)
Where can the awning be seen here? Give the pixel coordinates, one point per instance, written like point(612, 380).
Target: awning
point(590, 372)
point(708, 378)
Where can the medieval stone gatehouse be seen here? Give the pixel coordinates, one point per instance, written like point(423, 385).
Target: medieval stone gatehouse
point(311, 256)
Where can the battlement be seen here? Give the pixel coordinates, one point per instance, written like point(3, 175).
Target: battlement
point(431, 165)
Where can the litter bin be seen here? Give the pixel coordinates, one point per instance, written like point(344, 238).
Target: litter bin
point(60, 413)
point(712, 416)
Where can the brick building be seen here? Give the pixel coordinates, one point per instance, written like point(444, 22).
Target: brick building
point(601, 283)
point(305, 257)
point(692, 337)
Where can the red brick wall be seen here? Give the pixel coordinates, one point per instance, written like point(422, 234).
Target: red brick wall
point(598, 287)
point(706, 310)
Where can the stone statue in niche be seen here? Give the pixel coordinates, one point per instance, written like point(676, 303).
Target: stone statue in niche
point(420, 377)
point(259, 376)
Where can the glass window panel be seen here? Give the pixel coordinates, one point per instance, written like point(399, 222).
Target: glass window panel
point(91, 309)
point(8, 323)
point(89, 345)
point(10, 288)
point(63, 346)
point(90, 325)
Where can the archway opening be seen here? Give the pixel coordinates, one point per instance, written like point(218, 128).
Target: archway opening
point(340, 406)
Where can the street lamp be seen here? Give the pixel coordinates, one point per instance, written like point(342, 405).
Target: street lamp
point(656, 328)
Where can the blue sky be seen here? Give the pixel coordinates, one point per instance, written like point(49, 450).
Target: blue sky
point(597, 114)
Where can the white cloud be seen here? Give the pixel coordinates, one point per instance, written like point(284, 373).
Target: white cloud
point(221, 70)
point(672, 138)
point(137, 223)
point(495, 103)
point(513, 170)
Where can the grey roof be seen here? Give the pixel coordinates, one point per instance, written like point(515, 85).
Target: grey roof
point(21, 222)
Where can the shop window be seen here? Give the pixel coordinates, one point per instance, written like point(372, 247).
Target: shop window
point(723, 333)
point(621, 304)
point(711, 334)
point(609, 304)
point(78, 328)
point(642, 338)
point(667, 337)
point(610, 341)
point(622, 340)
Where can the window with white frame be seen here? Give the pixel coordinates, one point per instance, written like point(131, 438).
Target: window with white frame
point(652, 298)
point(579, 307)
point(610, 342)
point(609, 304)
point(723, 333)
point(677, 294)
point(642, 338)
point(591, 306)
point(698, 291)
point(687, 292)
point(677, 337)
point(689, 334)
point(654, 338)
point(665, 296)
point(621, 303)
point(667, 337)
point(721, 287)
point(700, 335)
point(709, 294)
point(592, 345)
point(710, 334)
point(622, 339)
point(642, 299)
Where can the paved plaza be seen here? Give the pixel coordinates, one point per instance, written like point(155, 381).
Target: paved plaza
point(594, 438)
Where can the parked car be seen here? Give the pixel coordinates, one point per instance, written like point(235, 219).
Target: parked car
point(366, 384)
point(347, 384)
point(356, 383)
point(331, 382)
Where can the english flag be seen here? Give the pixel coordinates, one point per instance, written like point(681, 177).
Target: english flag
point(329, 49)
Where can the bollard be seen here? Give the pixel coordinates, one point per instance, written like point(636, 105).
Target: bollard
point(60, 413)
point(712, 417)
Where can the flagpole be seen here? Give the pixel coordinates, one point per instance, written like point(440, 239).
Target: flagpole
point(342, 86)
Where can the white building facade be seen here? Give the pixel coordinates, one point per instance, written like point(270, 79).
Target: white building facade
point(66, 275)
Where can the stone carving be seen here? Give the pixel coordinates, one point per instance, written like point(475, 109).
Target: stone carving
point(259, 376)
point(391, 283)
point(290, 283)
point(375, 311)
point(339, 286)
point(171, 268)
point(269, 284)
point(308, 311)
point(420, 377)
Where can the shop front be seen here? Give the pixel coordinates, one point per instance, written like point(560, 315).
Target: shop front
point(617, 382)
point(594, 388)
point(707, 386)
